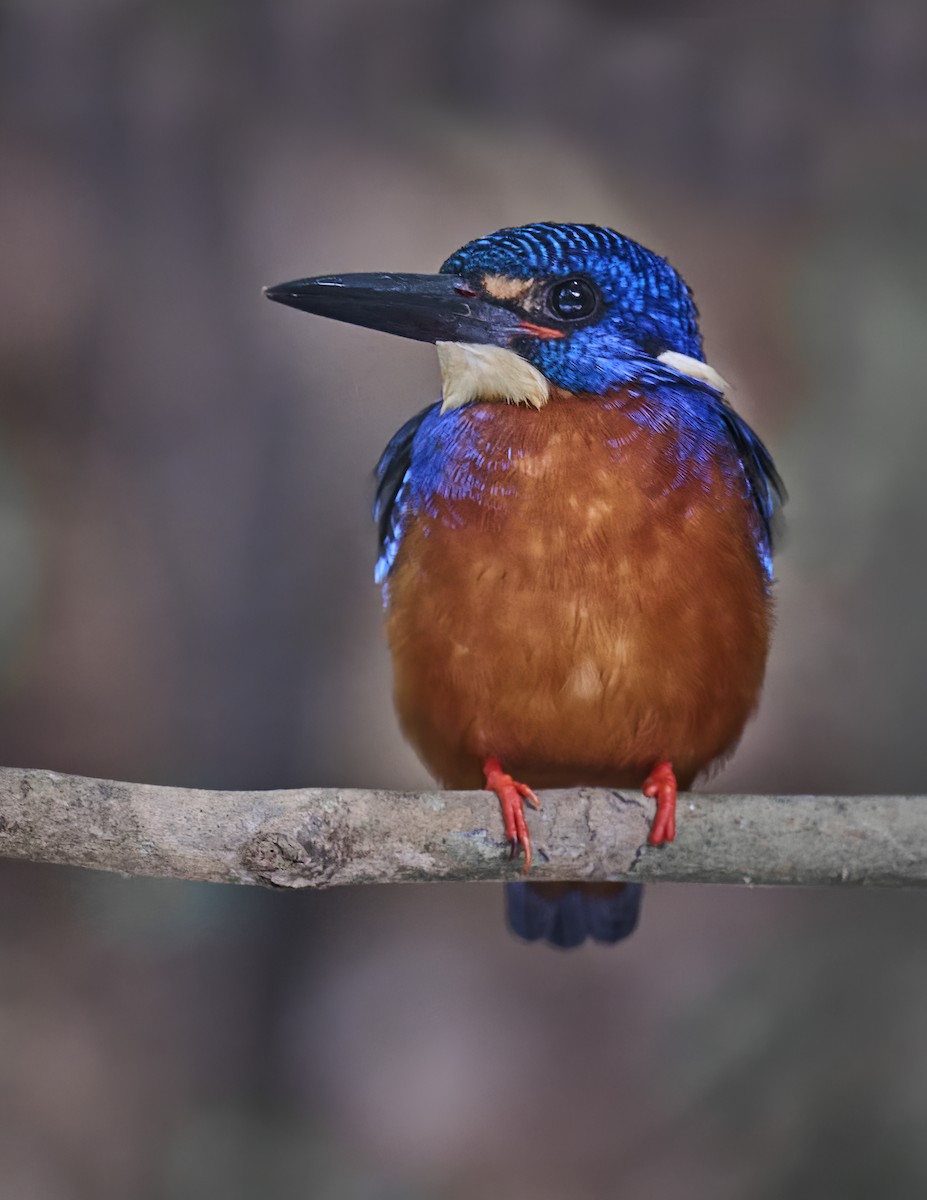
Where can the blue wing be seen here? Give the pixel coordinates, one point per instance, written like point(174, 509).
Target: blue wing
point(391, 474)
point(766, 488)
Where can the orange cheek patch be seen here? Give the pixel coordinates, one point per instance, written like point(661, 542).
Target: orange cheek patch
point(540, 331)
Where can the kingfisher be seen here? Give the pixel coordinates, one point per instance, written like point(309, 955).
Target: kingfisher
point(575, 541)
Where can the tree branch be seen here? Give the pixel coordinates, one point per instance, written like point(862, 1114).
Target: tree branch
point(322, 837)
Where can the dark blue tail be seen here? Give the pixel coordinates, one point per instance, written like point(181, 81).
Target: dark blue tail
point(565, 914)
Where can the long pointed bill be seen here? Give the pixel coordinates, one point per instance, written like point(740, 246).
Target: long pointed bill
point(428, 308)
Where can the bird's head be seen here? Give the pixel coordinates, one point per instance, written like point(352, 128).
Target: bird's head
point(576, 307)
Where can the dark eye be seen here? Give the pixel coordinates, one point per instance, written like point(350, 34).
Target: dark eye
point(573, 299)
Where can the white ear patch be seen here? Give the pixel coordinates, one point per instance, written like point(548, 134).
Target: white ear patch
point(695, 370)
point(472, 372)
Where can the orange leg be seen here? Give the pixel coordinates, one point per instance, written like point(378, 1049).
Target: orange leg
point(661, 784)
point(511, 796)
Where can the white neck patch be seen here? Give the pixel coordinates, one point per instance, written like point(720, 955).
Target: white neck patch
point(473, 372)
point(695, 370)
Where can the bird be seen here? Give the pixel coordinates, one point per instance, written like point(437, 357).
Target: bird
point(575, 540)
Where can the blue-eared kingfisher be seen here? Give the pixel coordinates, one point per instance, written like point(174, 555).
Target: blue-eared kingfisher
point(575, 540)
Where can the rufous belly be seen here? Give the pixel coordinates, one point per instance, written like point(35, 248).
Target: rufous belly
point(597, 614)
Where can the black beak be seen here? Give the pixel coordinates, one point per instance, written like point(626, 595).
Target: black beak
point(428, 308)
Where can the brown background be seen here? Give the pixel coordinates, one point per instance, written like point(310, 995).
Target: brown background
point(186, 593)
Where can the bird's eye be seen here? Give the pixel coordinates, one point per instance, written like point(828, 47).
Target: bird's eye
point(572, 299)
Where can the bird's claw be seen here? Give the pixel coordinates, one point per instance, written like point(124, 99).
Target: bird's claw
point(512, 796)
point(660, 785)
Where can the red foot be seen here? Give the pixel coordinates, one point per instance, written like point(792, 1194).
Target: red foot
point(661, 784)
point(511, 796)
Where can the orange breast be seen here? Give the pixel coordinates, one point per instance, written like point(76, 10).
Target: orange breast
point(596, 617)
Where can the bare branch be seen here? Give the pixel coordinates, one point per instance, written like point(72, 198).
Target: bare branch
point(322, 837)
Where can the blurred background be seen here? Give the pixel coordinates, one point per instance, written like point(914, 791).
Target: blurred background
point(186, 589)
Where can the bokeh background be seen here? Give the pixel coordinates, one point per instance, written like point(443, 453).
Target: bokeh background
point(186, 592)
